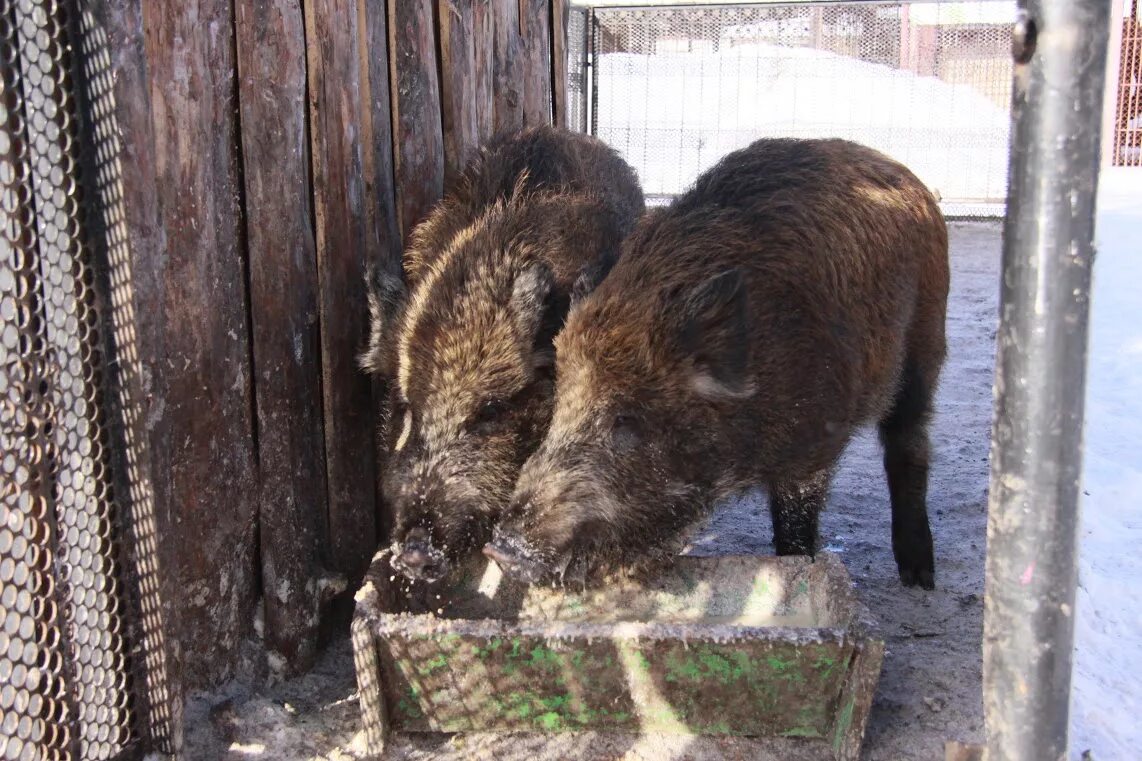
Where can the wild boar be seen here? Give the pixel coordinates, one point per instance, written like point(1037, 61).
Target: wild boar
point(795, 292)
point(464, 334)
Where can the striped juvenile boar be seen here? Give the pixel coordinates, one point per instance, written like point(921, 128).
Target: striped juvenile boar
point(795, 292)
point(464, 335)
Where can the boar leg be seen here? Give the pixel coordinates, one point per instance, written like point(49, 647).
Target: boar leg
point(795, 507)
point(904, 434)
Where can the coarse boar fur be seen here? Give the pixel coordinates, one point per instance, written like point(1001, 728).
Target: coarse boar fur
point(795, 292)
point(464, 335)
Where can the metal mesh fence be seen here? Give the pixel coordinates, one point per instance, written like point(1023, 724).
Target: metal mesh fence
point(927, 83)
point(1128, 106)
point(65, 685)
point(577, 50)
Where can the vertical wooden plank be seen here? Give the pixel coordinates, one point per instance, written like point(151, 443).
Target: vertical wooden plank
point(484, 43)
point(417, 134)
point(204, 453)
point(560, 13)
point(507, 66)
point(336, 107)
point(535, 28)
point(117, 77)
point(377, 134)
point(283, 316)
point(383, 245)
point(458, 96)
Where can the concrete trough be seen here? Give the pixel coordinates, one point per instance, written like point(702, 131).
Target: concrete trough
point(751, 646)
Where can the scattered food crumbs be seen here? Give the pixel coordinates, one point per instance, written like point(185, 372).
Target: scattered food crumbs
point(935, 705)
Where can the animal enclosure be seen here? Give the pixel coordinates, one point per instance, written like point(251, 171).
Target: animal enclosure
point(676, 88)
point(190, 191)
point(190, 194)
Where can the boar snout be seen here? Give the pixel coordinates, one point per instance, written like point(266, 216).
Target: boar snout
point(515, 557)
point(417, 559)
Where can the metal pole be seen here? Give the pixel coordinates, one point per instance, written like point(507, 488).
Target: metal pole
point(1060, 55)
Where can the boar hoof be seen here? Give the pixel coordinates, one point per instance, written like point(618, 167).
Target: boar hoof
point(924, 578)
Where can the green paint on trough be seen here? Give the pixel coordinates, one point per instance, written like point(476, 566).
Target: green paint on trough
point(550, 721)
point(844, 721)
point(801, 732)
point(434, 664)
point(545, 658)
point(727, 646)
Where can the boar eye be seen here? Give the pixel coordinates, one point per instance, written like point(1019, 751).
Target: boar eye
point(489, 415)
point(626, 432)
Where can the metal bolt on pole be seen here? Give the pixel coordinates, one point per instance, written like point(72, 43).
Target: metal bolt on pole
point(1059, 48)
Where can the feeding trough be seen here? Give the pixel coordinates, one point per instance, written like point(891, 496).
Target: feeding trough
point(750, 646)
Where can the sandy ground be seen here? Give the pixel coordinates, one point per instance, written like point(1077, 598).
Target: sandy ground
point(930, 689)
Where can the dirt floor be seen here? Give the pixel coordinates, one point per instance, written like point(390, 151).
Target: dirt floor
point(931, 683)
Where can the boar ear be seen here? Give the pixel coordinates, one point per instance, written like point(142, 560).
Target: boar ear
point(532, 303)
point(714, 334)
point(385, 290)
point(590, 277)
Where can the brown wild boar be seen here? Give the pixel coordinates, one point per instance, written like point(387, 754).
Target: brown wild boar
point(464, 334)
point(795, 292)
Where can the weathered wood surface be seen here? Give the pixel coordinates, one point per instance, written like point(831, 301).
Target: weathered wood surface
point(283, 313)
point(458, 94)
point(203, 449)
point(418, 136)
point(336, 106)
point(117, 76)
point(245, 437)
point(383, 246)
point(535, 28)
point(377, 135)
point(560, 12)
point(484, 46)
point(507, 66)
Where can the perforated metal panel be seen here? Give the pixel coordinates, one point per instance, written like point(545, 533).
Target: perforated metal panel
point(677, 88)
point(64, 676)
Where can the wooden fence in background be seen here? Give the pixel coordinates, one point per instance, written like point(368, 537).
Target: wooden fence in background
point(272, 148)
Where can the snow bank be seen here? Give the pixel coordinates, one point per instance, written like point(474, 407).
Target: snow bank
point(672, 115)
point(1107, 694)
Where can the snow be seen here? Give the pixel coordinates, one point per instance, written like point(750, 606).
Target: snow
point(1107, 681)
point(674, 114)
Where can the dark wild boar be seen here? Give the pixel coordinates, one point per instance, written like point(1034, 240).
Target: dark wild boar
point(464, 334)
point(795, 292)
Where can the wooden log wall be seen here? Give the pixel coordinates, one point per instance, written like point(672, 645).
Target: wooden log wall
point(274, 148)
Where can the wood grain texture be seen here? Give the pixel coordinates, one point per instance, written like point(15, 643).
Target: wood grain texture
point(283, 313)
point(484, 44)
point(336, 108)
point(458, 93)
point(535, 28)
point(560, 11)
point(201, 418)
point(116, 77)
point(383, 245)
point(418, 135)
point(507, 66)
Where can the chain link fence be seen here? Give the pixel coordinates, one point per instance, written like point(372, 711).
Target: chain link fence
point(1127, 135)
point(676, 88)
